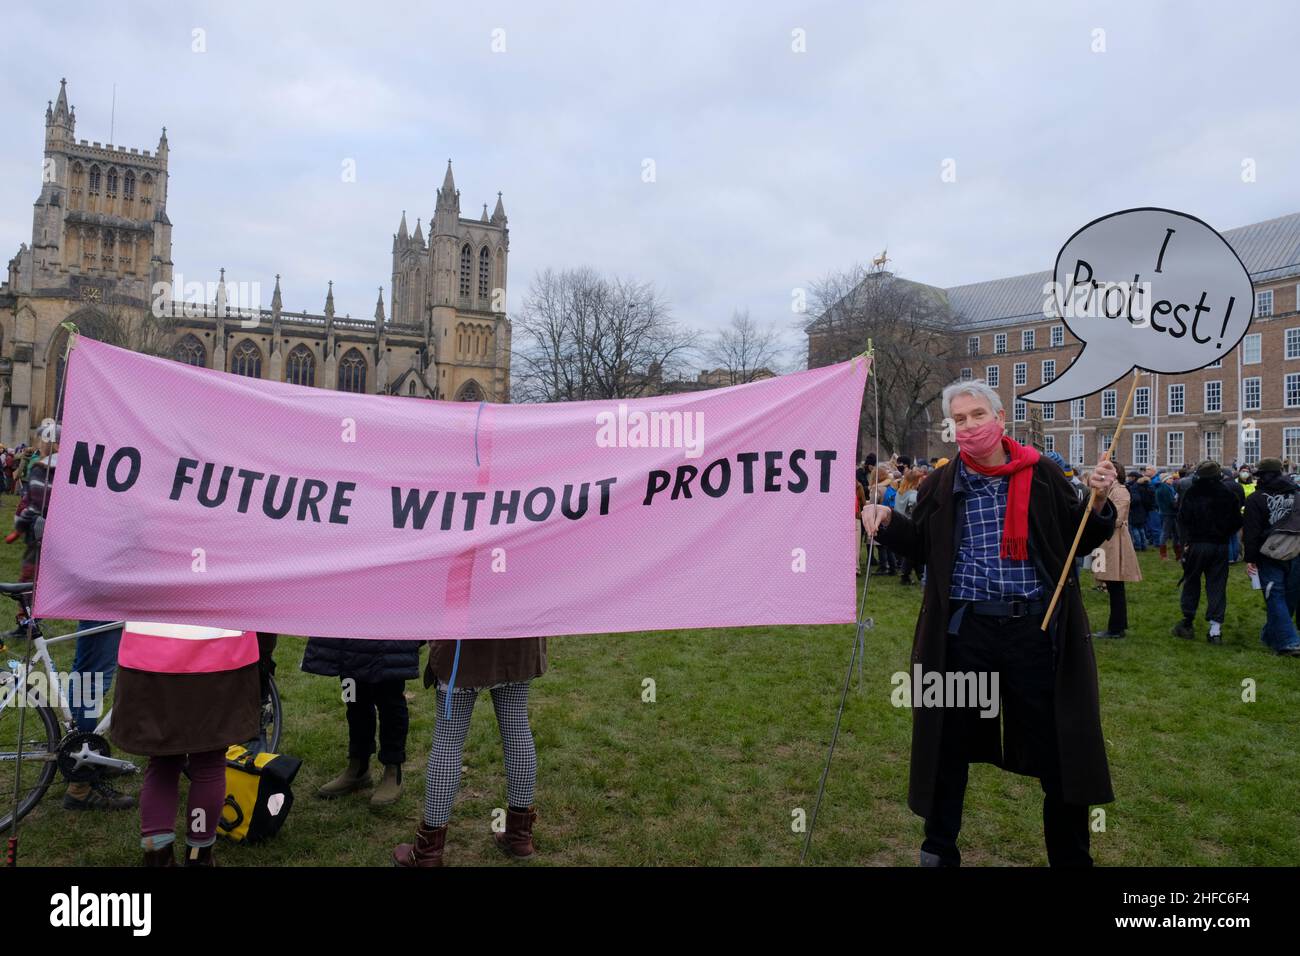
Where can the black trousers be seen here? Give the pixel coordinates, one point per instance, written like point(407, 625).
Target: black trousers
point(1022, 657)
point(387, 700)
point(1118, 607)
point(1211, 561)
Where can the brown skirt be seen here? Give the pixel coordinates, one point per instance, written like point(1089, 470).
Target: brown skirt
point(160, 715)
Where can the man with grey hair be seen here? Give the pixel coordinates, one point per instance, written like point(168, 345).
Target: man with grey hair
point(993, 528)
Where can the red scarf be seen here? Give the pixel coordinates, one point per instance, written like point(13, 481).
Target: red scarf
point(1015, 526)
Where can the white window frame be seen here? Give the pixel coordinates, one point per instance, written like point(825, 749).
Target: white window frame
point(1144, 458)
point(1000, 343)
point(1103, 442)
point(1291, 444)
point(993, 375)
point(1142, 401)
point(1251, 439)
point(1109, 399)
point(967, 375)
point(1217, 385)
point(1076, 448)
point(1263, 303)
point(1058, 336)
point(1078, 408)
point(1049, 443)
point(1171, 459)
point(1027, 339)
point(1287, 402)
point(1216, 453)
point(972, 345)
point(1049, 376)
point(1292, 342)
point(1251, 345)
point(1255, 384)
point(1049, 411)
point(1020, 373)
point(1178, 407)
point(1020, 410)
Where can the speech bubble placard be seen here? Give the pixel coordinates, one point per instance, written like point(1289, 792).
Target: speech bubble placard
point(1145, 288)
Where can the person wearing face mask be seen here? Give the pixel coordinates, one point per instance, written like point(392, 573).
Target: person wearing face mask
point(994, 528)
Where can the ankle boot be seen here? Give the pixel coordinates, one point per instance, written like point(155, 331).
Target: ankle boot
point(164, 856)
point(1164, 552)
point(199, 856)
point(517, 841)
point(425, 851)
point(355, 777)
point(390, 786)
point(1178, 552)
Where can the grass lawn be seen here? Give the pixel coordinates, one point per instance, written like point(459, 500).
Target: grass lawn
point(712, 771)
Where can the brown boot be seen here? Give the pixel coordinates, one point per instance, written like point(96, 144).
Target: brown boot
point(1164, 552)
point(517, 841)
point(355, 777)
point(199, 856)
point(390, 786)
point(425, 851)
point(165, 856)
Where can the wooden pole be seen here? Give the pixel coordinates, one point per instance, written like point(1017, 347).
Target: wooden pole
point(1092, 499)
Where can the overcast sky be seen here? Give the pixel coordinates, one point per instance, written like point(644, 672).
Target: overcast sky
point(771, 166)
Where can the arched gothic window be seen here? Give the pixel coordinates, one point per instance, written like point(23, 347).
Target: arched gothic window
point(470, 392)
point(484, 272)
point(191, 351)
point(301, 367)
point(128, 185)
point(466, 263)
point(352, 372)
point(112, 182)
point(94, 179)
point(246, 359)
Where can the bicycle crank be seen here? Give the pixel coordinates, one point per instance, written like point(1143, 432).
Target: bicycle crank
point(84, 756)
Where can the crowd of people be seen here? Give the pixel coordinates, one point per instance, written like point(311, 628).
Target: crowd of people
point(1206, 517)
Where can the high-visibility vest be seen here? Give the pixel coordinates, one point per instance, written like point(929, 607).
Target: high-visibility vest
point(185, 648)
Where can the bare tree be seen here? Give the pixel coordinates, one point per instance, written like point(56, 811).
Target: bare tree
point(743, 349)
point(139, 330)
point(583, 336)
point(908, 323)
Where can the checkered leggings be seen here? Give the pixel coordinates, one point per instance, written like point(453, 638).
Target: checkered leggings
point(442, 773)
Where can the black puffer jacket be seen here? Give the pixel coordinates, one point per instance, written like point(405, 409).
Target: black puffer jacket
point(367, 661)
point(1208, 513)
point(1268, 507)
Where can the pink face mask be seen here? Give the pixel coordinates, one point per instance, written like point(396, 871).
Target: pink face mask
point(982, 441)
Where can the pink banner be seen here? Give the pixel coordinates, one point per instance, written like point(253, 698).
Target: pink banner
point(190, 496)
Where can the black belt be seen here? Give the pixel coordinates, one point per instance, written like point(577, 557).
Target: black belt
point(1010, 609)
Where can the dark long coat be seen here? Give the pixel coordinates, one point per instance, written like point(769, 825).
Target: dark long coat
point(932, 536)
point(365, 660)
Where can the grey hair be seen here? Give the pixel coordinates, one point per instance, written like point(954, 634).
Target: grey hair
point(974, 387)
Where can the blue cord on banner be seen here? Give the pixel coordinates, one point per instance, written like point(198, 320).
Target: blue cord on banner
point(451, 684)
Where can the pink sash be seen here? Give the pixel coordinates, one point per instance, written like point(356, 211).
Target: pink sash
point(185, 649)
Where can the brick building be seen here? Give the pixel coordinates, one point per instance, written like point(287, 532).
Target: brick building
point(1244, 408)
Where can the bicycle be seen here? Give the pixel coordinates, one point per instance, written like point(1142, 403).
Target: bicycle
point(52, 741)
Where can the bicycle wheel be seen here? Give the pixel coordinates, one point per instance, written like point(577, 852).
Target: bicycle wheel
point(272, 721)
point(40, 750)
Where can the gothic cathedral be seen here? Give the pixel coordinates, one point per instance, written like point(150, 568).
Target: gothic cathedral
point(101, 257)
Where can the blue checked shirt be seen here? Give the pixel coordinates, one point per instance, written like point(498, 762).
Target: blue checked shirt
point(980, 574)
